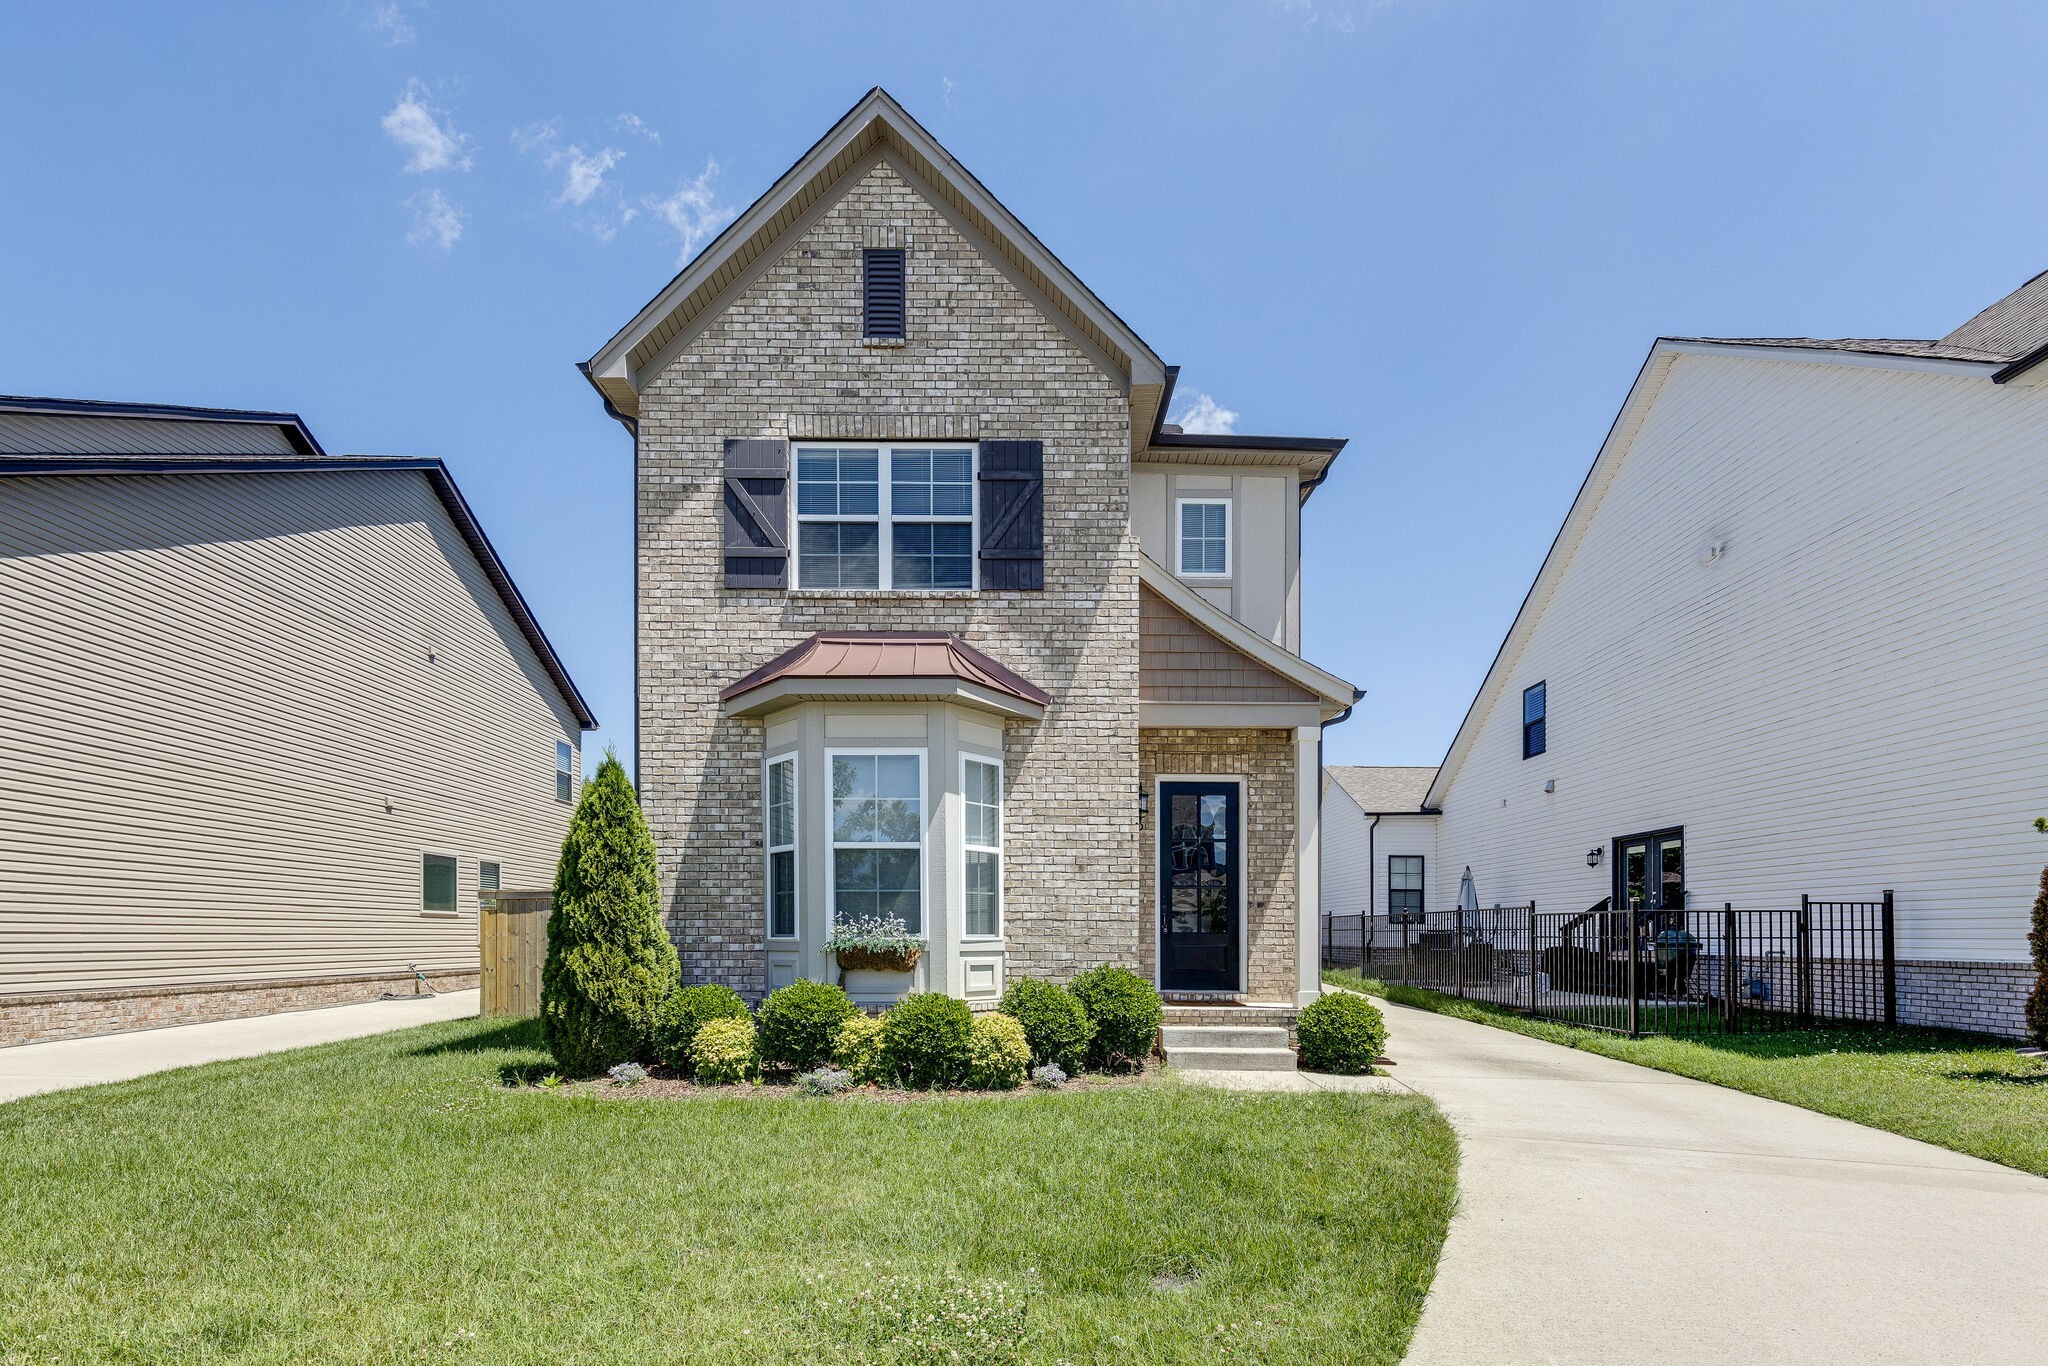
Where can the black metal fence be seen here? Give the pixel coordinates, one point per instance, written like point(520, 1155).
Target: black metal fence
point(1637, 971)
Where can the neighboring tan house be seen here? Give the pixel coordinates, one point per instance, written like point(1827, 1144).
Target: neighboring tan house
point(1378, 847)
point(1790, 640)
point(272, 717)
point(938, 619)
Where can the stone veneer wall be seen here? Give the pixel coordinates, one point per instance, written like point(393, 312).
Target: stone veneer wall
point(786, 359)
point(1265, 759)
point(39, 1019)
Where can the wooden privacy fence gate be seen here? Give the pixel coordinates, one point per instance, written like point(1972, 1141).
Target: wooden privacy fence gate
point(512, 943)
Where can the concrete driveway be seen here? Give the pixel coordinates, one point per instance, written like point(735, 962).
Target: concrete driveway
point(1609, 1213)
point(30, 1068)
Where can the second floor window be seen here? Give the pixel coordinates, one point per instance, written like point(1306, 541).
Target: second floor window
point(1205, 536)
point(886, 517)
point(565, 772)
point(1534, 710)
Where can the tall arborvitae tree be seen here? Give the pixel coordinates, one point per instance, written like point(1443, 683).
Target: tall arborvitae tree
point(2037, 940)
point(610, 962)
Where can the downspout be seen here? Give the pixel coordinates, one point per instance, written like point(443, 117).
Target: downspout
point(1339, 719)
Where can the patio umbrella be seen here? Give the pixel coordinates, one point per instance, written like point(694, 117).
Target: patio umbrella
point(1468, 896)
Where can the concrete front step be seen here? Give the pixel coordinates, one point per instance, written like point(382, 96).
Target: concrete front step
point(1228, 1048)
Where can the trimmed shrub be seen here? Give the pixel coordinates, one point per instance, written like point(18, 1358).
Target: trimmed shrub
point(797, 1023)
point(724, 1051)
point(2037, 939)
point(857, 1049)
point(610, 963)
point(1341, 1032)
point(1126, 1012)
point(1055, 1026)
point(926, 1038)
point(997, 1054)
point(684, 1012)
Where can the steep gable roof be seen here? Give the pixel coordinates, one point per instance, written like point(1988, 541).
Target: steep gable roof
point(1381, 791)
point(877, 125)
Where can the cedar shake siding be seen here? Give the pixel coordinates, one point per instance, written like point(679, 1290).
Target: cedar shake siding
point(785, 359)
point(239, 707)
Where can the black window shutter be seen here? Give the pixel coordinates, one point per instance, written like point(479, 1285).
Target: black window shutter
point(1013, 514)
point(882, 293)
point(756, 513)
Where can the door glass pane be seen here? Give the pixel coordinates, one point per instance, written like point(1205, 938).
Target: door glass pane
point(1671, 874)
point(1635, 876)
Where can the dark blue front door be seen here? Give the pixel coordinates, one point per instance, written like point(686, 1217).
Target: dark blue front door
point(1199, 859)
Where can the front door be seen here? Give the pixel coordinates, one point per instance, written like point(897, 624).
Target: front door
point(1199, 861)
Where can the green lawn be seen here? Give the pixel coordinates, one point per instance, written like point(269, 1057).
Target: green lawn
point(390, 1199)
point(1963, 1091)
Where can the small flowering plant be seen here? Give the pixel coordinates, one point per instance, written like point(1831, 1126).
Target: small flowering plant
point(880, 942)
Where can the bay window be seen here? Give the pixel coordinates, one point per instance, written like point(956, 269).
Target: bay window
point(981, 782)
point(878, 836)
point(781, 847)
point(885, 516)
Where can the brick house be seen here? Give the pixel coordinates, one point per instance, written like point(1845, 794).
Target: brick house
point(938, 619)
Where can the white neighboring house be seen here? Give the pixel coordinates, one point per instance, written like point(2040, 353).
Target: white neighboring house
point(1379, 855)
point(1793, 628)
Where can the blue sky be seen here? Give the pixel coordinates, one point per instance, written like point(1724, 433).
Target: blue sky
point(1448, 231)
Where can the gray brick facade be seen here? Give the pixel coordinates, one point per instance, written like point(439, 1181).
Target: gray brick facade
point(785, 359)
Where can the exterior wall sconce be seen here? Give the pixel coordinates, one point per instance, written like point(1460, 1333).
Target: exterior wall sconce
point(1144, 803)
point(1550, 784)
point(1593, 858)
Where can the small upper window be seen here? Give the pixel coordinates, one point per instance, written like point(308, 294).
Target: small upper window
point(565, 772)
point(1205, 536)
point(487, 877)
point(1532, 719)
point(437, 883)
point(882, 294)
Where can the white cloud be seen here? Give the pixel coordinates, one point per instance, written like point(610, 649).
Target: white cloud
point(584, 175)
point(1207, 417)
point(417, 127)
point(633, 123)
point(947, 83)
point(435, 222)
point(390, 19)
point(693, 211)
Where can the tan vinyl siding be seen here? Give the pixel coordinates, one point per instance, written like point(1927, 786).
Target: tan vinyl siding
point(210, 688)
point(78, 434)
point(1850, 694)
point(1178, 661)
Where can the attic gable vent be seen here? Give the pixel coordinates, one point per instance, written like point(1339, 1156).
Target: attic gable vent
point(882, 294)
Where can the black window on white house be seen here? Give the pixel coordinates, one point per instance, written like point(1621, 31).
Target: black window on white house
point(1404, 889)
point(1533, 710)
point(882, 302)
point(565, 772)
point(437, 883)
point(887, 517)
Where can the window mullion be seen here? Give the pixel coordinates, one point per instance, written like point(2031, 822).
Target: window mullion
point(885, 539)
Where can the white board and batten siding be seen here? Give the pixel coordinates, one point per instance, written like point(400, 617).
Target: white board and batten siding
point(1805, 621)
point(212, 686)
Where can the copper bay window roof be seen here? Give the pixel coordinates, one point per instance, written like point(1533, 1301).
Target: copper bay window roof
point(886, 665)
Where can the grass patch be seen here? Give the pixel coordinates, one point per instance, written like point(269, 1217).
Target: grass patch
point(390, 1199)
point(1968, 1092)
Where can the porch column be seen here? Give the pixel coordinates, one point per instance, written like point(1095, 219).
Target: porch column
point(1308, 859)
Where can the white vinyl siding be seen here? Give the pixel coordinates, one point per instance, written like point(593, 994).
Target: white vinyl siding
point(236, 709)
point(1804, 623)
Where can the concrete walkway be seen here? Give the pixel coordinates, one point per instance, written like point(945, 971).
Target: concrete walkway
point(1610, 1213)
point(35, 1067)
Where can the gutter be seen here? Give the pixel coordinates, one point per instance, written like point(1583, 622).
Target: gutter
point(2007, 373)
point(610, 410)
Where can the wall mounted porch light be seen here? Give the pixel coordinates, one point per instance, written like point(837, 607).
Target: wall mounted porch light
point(1592, 858)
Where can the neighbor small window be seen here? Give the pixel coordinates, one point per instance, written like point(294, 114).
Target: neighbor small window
point(1533, 705)
point(781, 846)
point(487, 877)
point(565, 772)
point(882, 294)
point(437, 883)
point(983, 784)
point(878, 838)
point(1205, 536)
point(1404, 889)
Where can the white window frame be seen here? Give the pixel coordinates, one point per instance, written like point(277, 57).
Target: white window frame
point(565, 767)
point(1180, 507)
point(455, 859)
point(1002, 801)
point(481, 864)
point(924, 823)
point(793, 848)
point(884, 519)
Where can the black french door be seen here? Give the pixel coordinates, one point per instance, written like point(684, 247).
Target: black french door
point(1200, 926)
point(1649, 871)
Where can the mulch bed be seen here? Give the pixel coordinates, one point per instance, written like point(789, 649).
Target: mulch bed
point(662, 1084)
